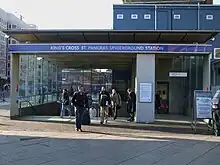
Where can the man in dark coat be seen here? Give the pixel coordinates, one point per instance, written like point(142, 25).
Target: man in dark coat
point(131, 104)
point(80, 101)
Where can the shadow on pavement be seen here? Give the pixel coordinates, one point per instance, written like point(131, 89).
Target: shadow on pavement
point(161, 127)
point(1, 124)
point(88, 149)
point(158, 126)
point(5, 116)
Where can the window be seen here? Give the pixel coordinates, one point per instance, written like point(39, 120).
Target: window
point(8, 73)
point(147, 16)
point(120, 16)
point(8, 65)
point(13, 42)
point(209, 17)
point(176, 16)
point(134, 16)
point(14, 27)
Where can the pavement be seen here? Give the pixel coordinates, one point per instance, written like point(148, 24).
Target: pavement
point(6, 102)
point(42, 143)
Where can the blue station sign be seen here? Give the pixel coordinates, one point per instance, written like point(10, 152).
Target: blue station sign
point(109, 48)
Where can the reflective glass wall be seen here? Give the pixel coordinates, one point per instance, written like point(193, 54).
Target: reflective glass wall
point(181, 88)
point(92, 80)
point(39, 81)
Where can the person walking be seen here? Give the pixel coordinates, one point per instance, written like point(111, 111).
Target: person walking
point(65, 103)
point(71, 91)
point(131, 104)
point(115, 103)
point(157, 102)
point(104, 102)
point(72, 108)
point(80, 101)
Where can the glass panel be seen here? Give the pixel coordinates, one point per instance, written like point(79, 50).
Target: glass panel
point(54, 79)
point(39, 81)
point(92, 80)
point(23, 75)
point(45, 81)
point(87, 81)
point(50, 77)
point(181, 89)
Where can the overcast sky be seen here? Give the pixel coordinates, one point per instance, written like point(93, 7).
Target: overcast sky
point(96, 14)
point(76, 14)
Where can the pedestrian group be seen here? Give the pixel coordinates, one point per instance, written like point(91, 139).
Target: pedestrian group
point(80, 102)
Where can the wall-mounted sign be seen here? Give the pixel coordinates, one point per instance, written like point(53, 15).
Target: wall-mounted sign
point(177, 74)
point(145, 92)
point(107, 47)
point(202, 104)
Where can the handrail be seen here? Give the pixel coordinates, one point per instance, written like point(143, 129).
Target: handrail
point(26, 101)
point(45, 94)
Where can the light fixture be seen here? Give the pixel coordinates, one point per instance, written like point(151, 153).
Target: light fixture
point(7, 36)
point(39, 58)
point(212, 39)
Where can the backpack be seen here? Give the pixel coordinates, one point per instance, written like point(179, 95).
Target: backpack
point(103, 99)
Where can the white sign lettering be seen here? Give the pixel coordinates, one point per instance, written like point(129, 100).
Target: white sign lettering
point(177, 74)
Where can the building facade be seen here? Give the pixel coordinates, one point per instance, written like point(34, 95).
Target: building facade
point(3, 41)
point(215, 62)
point(215, 59)
point(174, 16)
point(9, 21)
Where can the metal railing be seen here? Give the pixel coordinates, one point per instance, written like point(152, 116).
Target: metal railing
point(32, 107)
point(38, 99)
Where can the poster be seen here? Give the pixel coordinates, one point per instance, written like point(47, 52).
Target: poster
point(203, 104)
point(146, 92)
point(203, 107)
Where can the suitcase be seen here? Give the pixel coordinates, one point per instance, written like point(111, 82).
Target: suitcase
point(92, 113)
point(86, 118)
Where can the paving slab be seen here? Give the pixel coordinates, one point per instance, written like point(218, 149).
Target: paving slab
point(38, 143)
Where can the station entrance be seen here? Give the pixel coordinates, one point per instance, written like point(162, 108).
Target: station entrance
point(176, 76)
point(172, 70)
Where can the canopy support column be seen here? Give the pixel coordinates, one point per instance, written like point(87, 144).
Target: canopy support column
point(14, 110)
point(145, 88)
point(206, 72)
